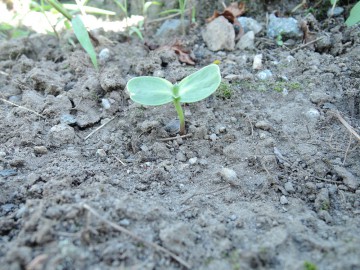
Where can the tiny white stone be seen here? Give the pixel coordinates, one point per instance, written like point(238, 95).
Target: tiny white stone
point(101, 153)
point(257, 63)
point(213, 137)
point(193, 160)
point(283, 200)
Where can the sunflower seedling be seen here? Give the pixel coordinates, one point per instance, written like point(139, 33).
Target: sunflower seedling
point(153, 91)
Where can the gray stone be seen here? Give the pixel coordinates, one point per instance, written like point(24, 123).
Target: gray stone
point(40, 150)
point(170, 28)
point(104, 55)
point(264, 75)
point(289, 187)
point(213, 137)
point(249, 24)
point(67, 119)
point(264, 125)
point(337, 11)
point(105, 103)
point(219, 35)
point(61, 134)
point(228, 174)
point(193, 160)
point(348, 178)
point(246, 41)
point(286, 27)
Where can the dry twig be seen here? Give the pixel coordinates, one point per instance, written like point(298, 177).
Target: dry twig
point(23, 108)
point(307, 44)
point(174, 138)
point(137, 238)
point(346, 124)
point(205, 193)
point(103, 125)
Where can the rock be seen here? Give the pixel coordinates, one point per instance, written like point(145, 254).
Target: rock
point(213, 137)
point(40, 150)
point(219, 35)
point(286, 27)
point(173, 126)
point(193, 160)
point(246, 41)
point(348, 178)
point(264, 125)
point(105, 103)
point(289, 187)
point(61, 134)
point(228, 174)
point(249, 24)
point(101, 152)
point(312, 114)
point(170, 28)
point(43, 80)
point(323, 44)
point(104, 55)
point(283, 200)
point(8, 172)
point(67, 119)
point(337, 11)
point(257, 63)
point(322, 201)
point(264, 75)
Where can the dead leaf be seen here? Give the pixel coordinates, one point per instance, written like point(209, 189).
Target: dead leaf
point(184, 57)
point(231, 12)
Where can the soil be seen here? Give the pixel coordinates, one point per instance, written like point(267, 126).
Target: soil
point(268, 177)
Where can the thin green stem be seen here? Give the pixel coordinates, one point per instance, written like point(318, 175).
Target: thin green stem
point(180, 113)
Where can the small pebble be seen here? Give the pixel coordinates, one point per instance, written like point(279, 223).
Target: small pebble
point(289, 187)
point(264, 125)
point(101, 153)
point(257, 64)
point(233, 217)
point(264, 75)
point(213, 137)
point(228, 174)
point(283, 200)
point(104, 55)
point(40, 150)
point(336, 12)
point(105, 103)
point(193, 160)
point(124, 222)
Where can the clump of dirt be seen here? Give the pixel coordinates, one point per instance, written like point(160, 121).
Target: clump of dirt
point(267, 178)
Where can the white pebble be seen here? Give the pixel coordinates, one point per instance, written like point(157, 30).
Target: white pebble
point(283, 200)
point(193, 160)
point(228, 174)
point(257, 64)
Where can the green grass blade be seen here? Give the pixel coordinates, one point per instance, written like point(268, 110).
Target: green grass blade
point(170, 11)
point(84, 39)
point(59, 7)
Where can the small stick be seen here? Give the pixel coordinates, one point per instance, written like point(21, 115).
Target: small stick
point(118, 159)
point(348, 127)
point(103, 125)
point(174, 138)
point(137, 238)
point(327, 180)
point(205, 193)
point(21, 107)
point(307, 44)
point(347, 149)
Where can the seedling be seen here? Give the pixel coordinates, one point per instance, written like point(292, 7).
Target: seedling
point(154, 91)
